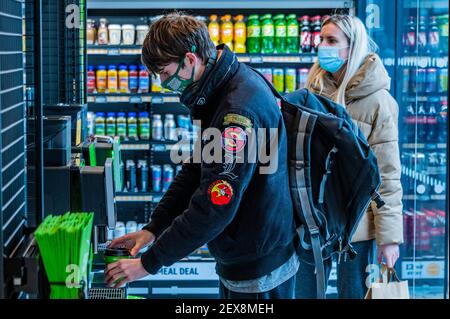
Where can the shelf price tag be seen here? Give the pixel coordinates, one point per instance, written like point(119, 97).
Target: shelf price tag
point(113, 51)
point(256, 59)
point(157, 100)
point(156, 199)
point(158, 148)
point(100, 99)
point(135, 99)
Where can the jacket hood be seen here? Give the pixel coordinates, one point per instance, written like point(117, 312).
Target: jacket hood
point(370, 78)
point(198, 95)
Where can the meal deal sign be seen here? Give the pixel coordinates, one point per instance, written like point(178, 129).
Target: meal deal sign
point(187, 271)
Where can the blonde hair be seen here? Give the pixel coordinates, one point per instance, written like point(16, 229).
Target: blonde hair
point(360, 46)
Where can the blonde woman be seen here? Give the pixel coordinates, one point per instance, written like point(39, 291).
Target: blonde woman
point(351, 74)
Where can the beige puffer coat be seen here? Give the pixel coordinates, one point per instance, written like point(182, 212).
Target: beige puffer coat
point(371, 106)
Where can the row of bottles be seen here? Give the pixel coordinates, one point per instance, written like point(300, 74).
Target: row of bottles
point(267, 34)
point(429, 36)
point(428, 123)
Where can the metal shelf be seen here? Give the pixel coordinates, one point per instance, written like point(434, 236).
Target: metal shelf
point(422, 61)
point(423, 198)
point(306, 58)
point(133, 197)
point(429, 146)
point(156, 146)
point(424, 98)
point(155, 98)
point(135, 146)
point(218, 4)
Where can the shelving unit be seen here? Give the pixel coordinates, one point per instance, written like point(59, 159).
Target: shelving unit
point(166, 284)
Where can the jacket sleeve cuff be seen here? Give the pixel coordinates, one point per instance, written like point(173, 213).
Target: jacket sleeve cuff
point(154, 228)
point(389, 229)
point(150, 263)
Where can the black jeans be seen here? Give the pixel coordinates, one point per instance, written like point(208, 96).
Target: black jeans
point(284, 291)
point(351, 274)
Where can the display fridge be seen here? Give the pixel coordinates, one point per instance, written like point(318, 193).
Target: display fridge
point(413, 39)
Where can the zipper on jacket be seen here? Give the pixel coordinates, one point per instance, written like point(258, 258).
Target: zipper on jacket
point(340, 250)
point(361, 214)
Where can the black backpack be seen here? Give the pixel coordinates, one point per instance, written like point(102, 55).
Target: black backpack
point(333, 176)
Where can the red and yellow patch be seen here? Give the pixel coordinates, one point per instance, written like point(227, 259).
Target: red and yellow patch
point(234, 139)
point(220, 192)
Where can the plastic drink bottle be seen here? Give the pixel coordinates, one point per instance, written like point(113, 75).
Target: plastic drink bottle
point(214, 29)
point(253, 34)
point(132, 126)
point(121, 124)
point(101, 80)
point(292, 34)
point(111, 124)
point(280, 33)
point(268, 34)
point(123, 79)
point(112, 79)
point(91, 79)
point(240, 34)
point(134, 79)
point(226, 31)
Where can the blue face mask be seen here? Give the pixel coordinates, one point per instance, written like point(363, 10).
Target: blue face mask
point(329, 59)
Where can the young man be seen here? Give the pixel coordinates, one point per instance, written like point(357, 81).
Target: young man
point(244, 215)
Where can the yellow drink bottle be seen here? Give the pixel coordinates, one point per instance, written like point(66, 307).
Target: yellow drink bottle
point(240, 34)
point(226, 31)
point(214, 29)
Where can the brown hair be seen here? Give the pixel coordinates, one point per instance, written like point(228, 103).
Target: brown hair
point(171, 37)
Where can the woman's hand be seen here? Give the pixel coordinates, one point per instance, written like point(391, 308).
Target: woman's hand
point(390, 252)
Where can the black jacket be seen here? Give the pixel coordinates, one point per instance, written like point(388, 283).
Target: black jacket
point(246, 217)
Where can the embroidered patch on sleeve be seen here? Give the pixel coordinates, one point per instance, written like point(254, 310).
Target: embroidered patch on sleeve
point(237, 119)
point(234, 139)
point(220, 192)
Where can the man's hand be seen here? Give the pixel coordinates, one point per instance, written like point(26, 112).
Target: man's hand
point(134, 242)
point(125, 270)
point(390, 252)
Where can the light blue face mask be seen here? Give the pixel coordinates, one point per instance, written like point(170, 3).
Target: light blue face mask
point(329, 59)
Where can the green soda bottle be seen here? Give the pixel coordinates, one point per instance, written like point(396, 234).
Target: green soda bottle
point(253, 34)
point(292, 34)
point(268, 34)
point(280, 33)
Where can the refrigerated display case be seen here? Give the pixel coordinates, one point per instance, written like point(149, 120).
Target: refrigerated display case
point(413, 40)
point(194, 276)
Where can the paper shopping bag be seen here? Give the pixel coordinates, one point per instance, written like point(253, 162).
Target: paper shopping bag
point(388, 288)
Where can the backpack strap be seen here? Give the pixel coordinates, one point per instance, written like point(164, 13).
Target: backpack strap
point(305, 121)
point(323, 183)
point(302, 174)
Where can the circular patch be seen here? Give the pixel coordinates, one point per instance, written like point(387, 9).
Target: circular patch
point(234, 139)
point(220, 192)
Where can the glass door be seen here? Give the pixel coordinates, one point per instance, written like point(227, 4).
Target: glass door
point(422, 90)
point(413, 40)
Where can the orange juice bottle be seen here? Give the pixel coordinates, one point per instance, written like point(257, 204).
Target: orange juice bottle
point(101, 79)
point(240, 34)
point(226, 31)
point(214, 29)
point(112, 79)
